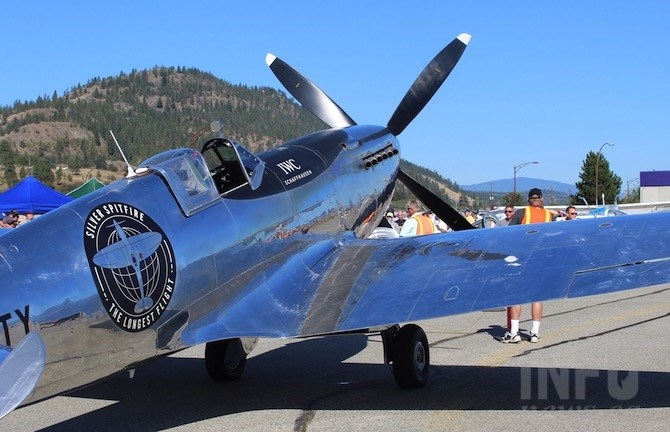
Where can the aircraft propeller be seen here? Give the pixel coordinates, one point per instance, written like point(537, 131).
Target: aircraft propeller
point(416, 98)
point(308, 94)
point(426, 84)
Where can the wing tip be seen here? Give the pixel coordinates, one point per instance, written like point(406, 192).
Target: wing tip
point(464, 37)
point(270, 58)
point(21, 369)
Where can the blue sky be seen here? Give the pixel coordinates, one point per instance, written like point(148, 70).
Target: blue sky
point(540, 81)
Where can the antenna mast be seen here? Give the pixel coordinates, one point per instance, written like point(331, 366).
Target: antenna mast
point(131, 171)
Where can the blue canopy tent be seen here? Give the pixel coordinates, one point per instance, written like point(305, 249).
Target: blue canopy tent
point(32, 195)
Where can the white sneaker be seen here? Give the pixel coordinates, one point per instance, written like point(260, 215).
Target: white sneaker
point(511, 338)
point(535, 338)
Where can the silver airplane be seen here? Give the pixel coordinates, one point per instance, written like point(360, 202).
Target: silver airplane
point(223, 246)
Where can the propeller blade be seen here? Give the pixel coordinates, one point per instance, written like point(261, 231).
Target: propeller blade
point(444, 211)
point(427, 83)
point(310, 96)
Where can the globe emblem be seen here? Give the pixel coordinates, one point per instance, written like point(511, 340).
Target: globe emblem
point(128, 279)
point(132, 263)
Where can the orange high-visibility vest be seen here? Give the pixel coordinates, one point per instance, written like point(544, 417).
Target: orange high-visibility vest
point(536, 215)
point(424, 225)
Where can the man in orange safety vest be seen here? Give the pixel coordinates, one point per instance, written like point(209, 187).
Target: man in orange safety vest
point(417, 223)
point(533, 213)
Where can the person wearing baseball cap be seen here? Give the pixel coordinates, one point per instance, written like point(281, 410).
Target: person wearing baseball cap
point(533, 213)
point(390, 217)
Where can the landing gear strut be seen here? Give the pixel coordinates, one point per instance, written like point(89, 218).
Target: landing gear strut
point(407, 350)
point(225, 360)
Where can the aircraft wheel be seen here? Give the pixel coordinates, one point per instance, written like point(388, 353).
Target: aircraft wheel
point(225, 359)
point(411, 359)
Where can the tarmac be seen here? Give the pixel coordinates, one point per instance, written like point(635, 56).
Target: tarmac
point(602, 364)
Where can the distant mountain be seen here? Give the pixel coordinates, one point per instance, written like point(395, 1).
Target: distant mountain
point(523, 185)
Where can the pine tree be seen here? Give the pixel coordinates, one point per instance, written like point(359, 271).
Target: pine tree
point(609, 183)
point(463, 201)
point(9, 177)
point(42, 171)
point(513, 198)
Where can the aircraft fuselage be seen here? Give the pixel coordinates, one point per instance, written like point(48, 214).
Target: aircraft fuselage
point(97, 317)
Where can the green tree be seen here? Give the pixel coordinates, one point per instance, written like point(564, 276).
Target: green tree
point(609, 183)
point(7, 155)
point(632, 196)
point(10, 176)
point(463, 201)
point(42, 171)
point(513, 198)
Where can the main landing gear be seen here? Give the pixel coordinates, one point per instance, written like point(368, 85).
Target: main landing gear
point(406, 349)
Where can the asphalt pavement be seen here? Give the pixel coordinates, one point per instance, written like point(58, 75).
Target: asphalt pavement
point(602, 364)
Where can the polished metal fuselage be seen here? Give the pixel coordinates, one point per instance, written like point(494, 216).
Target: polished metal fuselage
point(316, 186)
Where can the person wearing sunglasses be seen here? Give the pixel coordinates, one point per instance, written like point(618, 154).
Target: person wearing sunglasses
point(570, 213)
point(509, 212)
point(533, 213)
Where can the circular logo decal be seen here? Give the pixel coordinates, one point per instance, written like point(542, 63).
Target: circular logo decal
point(132, 264)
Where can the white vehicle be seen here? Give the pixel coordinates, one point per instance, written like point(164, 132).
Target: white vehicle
point(602, 212)
point(383, 233)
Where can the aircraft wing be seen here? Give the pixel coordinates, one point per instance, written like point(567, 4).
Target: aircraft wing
point(353, 284)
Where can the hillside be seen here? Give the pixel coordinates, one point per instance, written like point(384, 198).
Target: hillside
point(522, 184)
point(149, 111)
point(63, 140)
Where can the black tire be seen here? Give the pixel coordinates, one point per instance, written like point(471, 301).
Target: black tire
point(225, 360)
point(411, 357)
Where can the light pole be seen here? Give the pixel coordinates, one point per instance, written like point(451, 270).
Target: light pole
point(517, 168)
point(597, 161)
point(628, 182)
point(491, 196)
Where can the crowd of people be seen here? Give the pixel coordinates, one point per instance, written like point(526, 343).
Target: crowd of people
point(419, 225)
point(414, 221)
point(12, 219)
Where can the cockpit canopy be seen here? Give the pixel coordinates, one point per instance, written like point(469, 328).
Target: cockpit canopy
point(198, 180)
point(231, 165)
point(186, 174)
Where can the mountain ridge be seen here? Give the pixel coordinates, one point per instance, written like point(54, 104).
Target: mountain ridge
point(523, 185)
